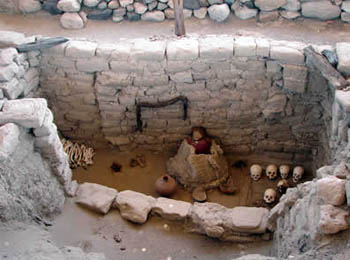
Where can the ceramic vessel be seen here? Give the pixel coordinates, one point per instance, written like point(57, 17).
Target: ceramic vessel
point(165, 185)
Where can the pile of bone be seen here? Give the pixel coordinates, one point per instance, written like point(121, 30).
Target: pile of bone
point(78, 154)
point(272, 173)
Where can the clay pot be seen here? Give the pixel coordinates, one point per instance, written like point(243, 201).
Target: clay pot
point(165, 185)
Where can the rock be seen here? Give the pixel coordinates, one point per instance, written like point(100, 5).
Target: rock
point(191, 4)
point(72, 21)
point(215, 2)
point(29, 6)
point(9, 139)
point(245, 13)
point(95, 196)
point(118, 14)
point(124, 3)
point(152, 5)
point(100, 15)
point(265, 17)
point(7, 6)
point(169, 13)
point(102, 5)
point(171, 209)
point(11, 39)
point(323, 10)
point(342, 170)
point(292, 5)
point(290, 15)
point(250, 218)
point(219, 13)
point(148, 1)
point(132, 16)
point(324, 171)
point(162, 6)
point(134, 206)
point(345, 17)
point(29, 112)
point(69, 5)
point(256, 257)
point(200, 13)
point(114, 4)
point(153, 16)
point(268, 5)
point(140, 8)
point(51, 7)
point(275, 105)
point(345, 6)
point(7, 56)
point(91, 3)
point(332, 219)
point(326, 188)
point(343, 53)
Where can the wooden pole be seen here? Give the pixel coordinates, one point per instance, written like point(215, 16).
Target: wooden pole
point(179, 18)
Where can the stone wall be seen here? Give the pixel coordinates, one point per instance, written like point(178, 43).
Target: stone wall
point(75, 13)
point(30, 162)
point(19, 72)
point(255, 95)
point(307, 217)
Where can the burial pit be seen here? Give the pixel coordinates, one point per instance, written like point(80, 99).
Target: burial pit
point(254, 131)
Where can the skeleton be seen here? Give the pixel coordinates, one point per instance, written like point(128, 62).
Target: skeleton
point(78, 154)
point(282, 186)
point(270, 196)
point(284, 170)
point(298, 173)
point(271, 171)
point(255, 172)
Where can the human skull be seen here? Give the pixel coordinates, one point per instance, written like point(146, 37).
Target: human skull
point(255, 172)
point(298, 173)
point(271, 171)
point(284, 170)
point(282, 186)
point(270, 196)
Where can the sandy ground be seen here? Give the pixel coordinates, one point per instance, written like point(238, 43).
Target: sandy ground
point(304, 30)
point(156, 240)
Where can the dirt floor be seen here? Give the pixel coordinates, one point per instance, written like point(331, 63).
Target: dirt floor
point(303, 30)
point(156, 240)
point(250, 193)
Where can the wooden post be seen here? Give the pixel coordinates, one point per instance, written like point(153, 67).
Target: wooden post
point(179, 18)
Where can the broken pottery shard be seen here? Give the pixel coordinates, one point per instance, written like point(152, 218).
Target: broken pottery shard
point(171, 209)
point(29, 113)
point(134, 206)
point(332, 219)
point(95, 196)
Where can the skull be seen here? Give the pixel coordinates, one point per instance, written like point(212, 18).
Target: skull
point(255, 172)
point(284, 170)
point(271, 171)
point(282, 186)
point(298, 173)
point(270, 196)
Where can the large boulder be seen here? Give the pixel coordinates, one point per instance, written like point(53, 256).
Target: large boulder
point(134, 206)
point(219, 13)
point(96, 197)
point(332, 219)
point(323, 10)
point(331, 190)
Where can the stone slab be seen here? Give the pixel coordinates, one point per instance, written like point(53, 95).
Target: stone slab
point(29, 113)
point(134, 206)
point(95, 196)
point(148, 50)
point(183, 49)
point(171, 209)
point(248, 217)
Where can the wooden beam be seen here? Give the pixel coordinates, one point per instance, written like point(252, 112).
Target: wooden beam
point(179, 18)
point(325, 68)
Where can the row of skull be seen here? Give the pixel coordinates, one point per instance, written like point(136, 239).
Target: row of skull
point(272, 172)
